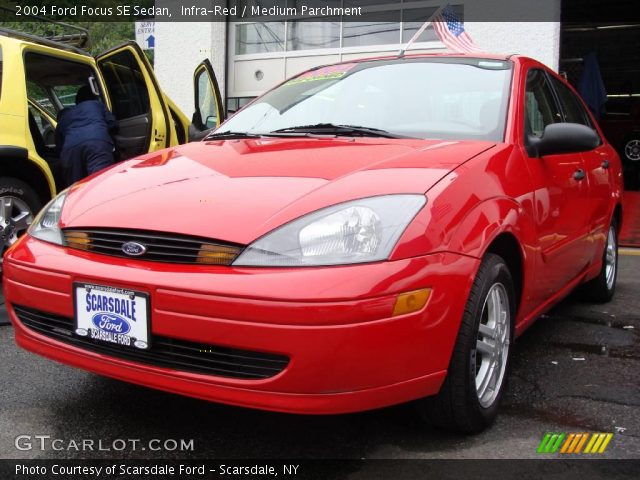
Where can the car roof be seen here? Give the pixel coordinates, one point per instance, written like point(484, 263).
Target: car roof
point(482, 55)
point(513, 57)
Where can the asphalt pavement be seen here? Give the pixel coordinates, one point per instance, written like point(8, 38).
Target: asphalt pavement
point(575, 370)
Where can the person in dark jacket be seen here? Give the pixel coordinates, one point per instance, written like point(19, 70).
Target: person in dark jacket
point(83, 132)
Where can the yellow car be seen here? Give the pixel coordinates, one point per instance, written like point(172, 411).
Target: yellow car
point(39, 77)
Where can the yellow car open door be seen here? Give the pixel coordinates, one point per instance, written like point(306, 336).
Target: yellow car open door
point(144, 121)
point(209, 110)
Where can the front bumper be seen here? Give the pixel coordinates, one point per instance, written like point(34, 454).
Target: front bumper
point(347, 353)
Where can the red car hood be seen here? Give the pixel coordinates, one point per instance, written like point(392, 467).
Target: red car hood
point(238, 190)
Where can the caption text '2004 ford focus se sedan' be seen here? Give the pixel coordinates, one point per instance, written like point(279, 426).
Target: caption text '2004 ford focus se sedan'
point(364, 234)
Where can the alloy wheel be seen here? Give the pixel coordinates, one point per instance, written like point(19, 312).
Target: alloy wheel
point(632, 150)
point(492, 345)
point(15, 218)
point(611, 257)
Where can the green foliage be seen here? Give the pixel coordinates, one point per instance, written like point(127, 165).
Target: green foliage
point(103, 34)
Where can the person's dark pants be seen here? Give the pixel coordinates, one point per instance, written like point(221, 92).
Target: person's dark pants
point(86, 158)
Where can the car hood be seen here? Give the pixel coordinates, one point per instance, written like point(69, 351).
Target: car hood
point(238, 190)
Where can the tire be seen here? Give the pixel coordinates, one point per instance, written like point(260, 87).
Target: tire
point(18, 205)
point(630, 154)
point(460, 405)
point(631, 148)
point(602, 288)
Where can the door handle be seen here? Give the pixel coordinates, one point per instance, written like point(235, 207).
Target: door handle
point(605, 164)
point(579, 174)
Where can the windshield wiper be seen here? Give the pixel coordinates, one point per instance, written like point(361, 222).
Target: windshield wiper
point(231, 135)
point(240, 135)
point(347, 130)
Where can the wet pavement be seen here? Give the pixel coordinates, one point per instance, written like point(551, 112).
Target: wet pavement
point(575, 370)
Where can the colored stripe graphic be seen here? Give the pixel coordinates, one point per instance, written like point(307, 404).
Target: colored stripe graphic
point(550, 443)
point(543, 443)
point(582, 442)
point(573, 443)
point(598, 443)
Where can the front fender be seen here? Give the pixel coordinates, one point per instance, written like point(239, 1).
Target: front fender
point(471, 206)
point(485, 222)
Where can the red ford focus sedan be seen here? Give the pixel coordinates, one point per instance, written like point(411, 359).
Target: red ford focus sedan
point(364, 234)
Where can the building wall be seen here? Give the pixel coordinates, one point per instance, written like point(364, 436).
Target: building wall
point(180, 47)
point(539, 40)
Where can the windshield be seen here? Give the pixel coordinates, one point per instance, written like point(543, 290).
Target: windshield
point(444, 98)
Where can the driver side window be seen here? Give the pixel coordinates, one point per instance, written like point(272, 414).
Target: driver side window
point(540, 108)
point(206, 102)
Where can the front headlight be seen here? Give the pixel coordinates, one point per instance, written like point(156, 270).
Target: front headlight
point(45, 226)
point(359, 231)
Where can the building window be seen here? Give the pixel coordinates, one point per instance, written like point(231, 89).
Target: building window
point(260, 37)
point(376, 30)
point(236, 103)
point(312, 35)
point(383, 22)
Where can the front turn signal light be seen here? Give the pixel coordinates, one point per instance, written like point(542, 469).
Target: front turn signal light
point(78, 240)
point(212, 254)
point(410, 302)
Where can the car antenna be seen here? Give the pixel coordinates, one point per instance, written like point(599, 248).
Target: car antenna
point(421, 30)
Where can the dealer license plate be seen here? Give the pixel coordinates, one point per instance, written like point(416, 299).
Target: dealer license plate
point(112, 315)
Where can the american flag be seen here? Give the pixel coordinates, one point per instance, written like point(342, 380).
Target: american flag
point(451, 32)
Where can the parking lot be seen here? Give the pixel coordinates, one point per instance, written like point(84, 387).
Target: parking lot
point(575, 370)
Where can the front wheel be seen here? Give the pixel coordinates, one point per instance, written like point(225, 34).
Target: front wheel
point(469, 398)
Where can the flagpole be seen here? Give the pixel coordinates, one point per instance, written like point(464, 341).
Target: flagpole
point(421, 30)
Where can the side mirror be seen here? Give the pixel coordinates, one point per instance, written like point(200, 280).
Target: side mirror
point(211, 122)
point(559, 138)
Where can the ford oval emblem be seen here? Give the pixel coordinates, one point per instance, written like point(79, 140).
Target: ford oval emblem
point(134, 249)
point(111, 323)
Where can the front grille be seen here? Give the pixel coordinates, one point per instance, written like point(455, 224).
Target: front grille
point(157, 247)
point(164, 352)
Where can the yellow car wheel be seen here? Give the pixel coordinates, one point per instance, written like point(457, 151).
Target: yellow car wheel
point(18, 206)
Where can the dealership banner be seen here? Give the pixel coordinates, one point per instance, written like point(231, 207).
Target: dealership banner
point(310, 10)
point(317, 469)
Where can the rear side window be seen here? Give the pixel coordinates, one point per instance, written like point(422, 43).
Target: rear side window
point(38, 94)
point(126, 85)
point(574, 112)
point(541, 108)
point(66, 94)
